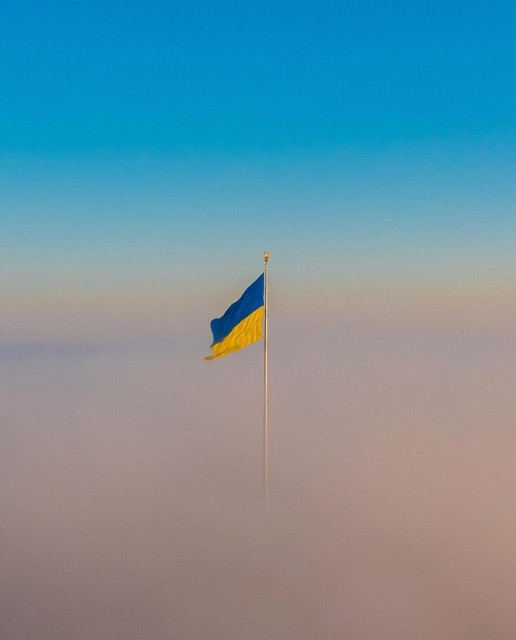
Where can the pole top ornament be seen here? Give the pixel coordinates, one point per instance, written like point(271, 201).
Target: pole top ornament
point(266, 256)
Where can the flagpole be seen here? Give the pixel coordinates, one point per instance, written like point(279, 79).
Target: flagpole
point(266, 257)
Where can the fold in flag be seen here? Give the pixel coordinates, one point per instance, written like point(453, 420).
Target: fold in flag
point(241, 325)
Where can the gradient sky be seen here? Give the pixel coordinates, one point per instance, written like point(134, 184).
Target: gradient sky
point(152, 144)
point(149, 153)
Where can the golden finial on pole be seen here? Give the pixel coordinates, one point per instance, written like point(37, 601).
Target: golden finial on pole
point(266, 256)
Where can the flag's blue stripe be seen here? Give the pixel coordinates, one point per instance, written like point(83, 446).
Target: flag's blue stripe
point(251, 299)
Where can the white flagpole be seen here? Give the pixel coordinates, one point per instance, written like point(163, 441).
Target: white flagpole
point(266, 256)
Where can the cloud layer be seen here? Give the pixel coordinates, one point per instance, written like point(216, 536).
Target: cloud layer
point(131, 490)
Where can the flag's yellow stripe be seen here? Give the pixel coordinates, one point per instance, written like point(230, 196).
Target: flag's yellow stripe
point(246, 332)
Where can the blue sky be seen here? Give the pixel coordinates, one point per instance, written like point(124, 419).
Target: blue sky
point(226, 77)
point(144, 142)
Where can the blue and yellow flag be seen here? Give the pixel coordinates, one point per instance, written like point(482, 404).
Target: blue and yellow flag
point(241, 325)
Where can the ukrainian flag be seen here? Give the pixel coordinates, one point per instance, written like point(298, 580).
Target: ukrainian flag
point(241, 325)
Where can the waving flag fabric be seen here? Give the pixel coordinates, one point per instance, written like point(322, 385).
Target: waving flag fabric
point(241, 324)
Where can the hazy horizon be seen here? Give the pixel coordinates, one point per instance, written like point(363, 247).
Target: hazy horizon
point(131, 487)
